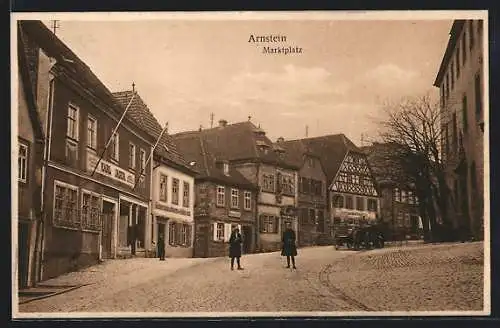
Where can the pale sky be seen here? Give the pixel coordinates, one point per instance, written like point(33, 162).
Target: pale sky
point(186, 69)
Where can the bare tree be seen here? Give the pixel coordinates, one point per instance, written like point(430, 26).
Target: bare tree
point(413, 127)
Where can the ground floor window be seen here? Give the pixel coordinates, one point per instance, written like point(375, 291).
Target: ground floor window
point(269, 223)
point(303, 215)
point(66, 206)
point(179, 234)
point(321, 221)
point(91, 211)
point(312, 216)
point(372, 205)
point(400, 217)
point(219, 231)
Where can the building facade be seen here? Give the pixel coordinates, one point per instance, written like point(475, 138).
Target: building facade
point(95, 199)
point(462, 92)
point(246, 148)
point(352, 189)
point(311, 193)
point(172, 188)
point(224, 199)
point(30, 142)
point(173, 209)
point(399, 208)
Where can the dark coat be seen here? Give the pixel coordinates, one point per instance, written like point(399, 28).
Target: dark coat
point(289, 248)
point(235, 242)
point(161, 247)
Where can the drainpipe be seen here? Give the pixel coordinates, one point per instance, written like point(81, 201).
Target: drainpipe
point(40, 233)
point(150, 203)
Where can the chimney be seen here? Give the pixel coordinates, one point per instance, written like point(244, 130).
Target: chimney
point(222, 123)
point(280, 139)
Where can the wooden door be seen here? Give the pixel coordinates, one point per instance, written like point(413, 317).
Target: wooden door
point(23, 258)
point(247, 239)
point(201, 240)
point(108, 214)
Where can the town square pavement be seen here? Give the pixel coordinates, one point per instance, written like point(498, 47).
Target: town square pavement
point(444, 277)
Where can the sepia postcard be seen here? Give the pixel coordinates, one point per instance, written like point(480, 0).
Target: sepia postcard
point(250, 164)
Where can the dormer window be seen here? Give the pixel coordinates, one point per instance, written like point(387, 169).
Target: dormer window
point(263, 146)
point(226, 168)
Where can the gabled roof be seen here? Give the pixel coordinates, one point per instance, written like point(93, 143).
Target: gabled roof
point(240, 141)
point(28, 87)
point(70, 62)
point(386, 170)
point(141, 114)
point(331, 149)
point(196, 149)
point(295, 151)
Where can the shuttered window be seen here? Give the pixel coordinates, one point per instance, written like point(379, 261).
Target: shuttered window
point(269, 223)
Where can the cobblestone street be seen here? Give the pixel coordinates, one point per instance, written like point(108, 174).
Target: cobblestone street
point(417, 278)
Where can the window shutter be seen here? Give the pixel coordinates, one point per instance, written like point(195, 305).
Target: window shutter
point(178, 237)
point(190, 235)
point(261, 223)
point(214, 231)
point(276, 224)
point(227, 231)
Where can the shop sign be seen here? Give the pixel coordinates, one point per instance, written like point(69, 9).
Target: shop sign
point(110, 170)
point(234, 214)
point(172, 209)
point(354, 214)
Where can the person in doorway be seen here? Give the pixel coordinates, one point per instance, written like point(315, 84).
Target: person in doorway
point(161, 247)
point(289, 248)
point(235, 242)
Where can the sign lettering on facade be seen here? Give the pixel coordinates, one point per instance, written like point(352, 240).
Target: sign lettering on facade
point(110, 170)
point(234, 214)
point(172, 209)
point(344, 213)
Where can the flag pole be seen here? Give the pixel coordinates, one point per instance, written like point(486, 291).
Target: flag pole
point(150, 154)
point(113, 134)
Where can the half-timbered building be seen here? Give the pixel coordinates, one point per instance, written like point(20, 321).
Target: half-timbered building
point(352, 190)
point(95, 200)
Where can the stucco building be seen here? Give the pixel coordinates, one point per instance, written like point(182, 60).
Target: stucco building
point(311, 192)
point(172, 188)
point(224, 199)
point(462, 92)
point(246, 148)
point(398, 201)
point(30, 142)
point(95, 199)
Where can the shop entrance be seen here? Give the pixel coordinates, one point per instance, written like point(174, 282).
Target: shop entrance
point(161, 232)
point(23, 249)
point(247, 239)
point(108, 221)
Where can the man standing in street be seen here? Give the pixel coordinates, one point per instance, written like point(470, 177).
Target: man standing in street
point(235, 242)
point(289, 248)
point(161, 248)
